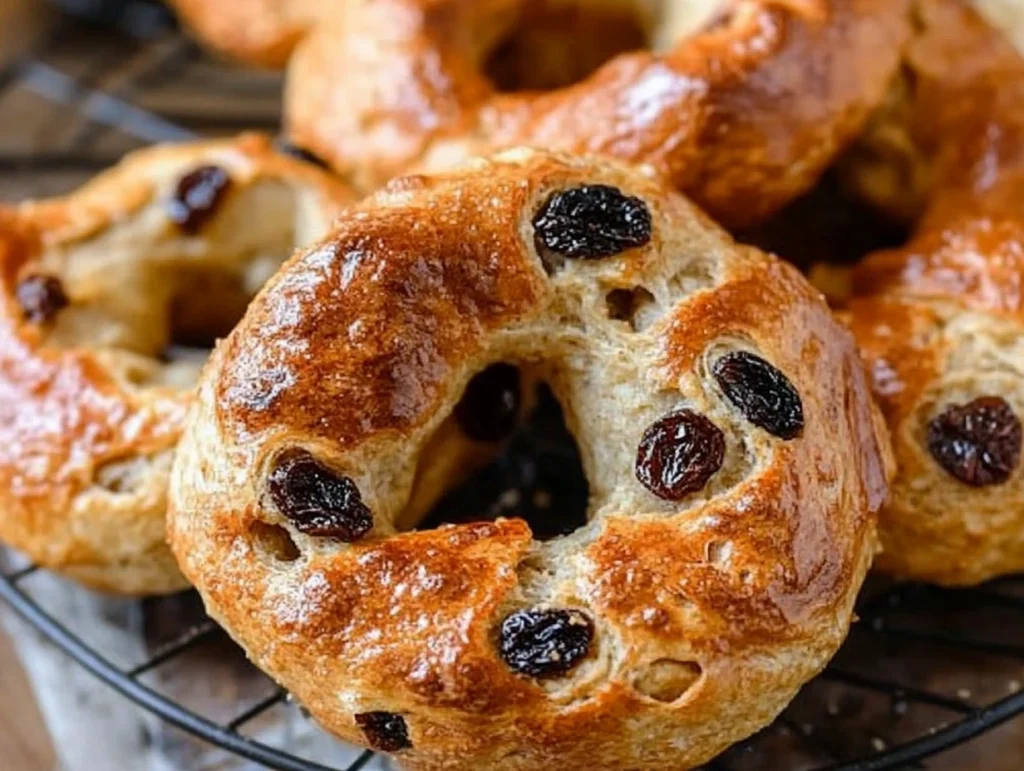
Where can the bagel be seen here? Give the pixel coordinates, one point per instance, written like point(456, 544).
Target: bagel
point(164, 248)
point(894, 165)
point(258, 32)
point(734, 457)
point(940, 320)
point(742, 116)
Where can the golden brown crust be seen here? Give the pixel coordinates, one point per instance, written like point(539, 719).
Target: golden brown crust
point(742, 116)
point(896, 162)
point(89, 415)
point(1005, 15)
point(258, 32)
point(709, 613)
point(940, 320)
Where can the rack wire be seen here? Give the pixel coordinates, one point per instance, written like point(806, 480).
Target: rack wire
point(895, 695)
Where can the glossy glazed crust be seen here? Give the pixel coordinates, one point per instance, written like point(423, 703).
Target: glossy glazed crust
point(358, 350)
point(258, 32)
point(743, 116)
point(941, 320)
point(89, 414)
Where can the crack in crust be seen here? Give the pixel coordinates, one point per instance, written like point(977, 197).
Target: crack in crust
point(358, 351)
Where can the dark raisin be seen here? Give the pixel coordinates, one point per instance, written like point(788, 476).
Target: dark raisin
point(197, 196)
point(385, 731)
point(489, 408)
point(589, 222)
point(285, 147)
point(979, 442)
point(316, 499)
point(761, 392)
point(41, 297)
point(544, 643)
point(679, 454)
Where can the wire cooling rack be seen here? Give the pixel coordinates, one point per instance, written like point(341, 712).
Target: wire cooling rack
point(923, 672)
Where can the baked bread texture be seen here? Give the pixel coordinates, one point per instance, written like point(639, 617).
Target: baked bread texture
point(1006, 15)
point(734, 457)
point(742, 104)
point(257, 32)
point(100, 289)
point(941, 320)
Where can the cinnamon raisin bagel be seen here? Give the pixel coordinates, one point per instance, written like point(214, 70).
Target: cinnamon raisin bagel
point(941, 320)
point(743, 115)
point(894, 164)
point(734, 457)
point(101, 289)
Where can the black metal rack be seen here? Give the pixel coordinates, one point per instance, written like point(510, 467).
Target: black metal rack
point(893, 697)
point(883, 617)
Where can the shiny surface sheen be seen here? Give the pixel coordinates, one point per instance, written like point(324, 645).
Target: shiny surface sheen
point(62, 414)
point(86, 425)
point(316, 500)
point(761, 393)
point(545, 643)
point(259, 32)
point(940, 320)
point(591, 222)
point(978, 442)
point(679, 454)
point(359, 350)
point(744, 115)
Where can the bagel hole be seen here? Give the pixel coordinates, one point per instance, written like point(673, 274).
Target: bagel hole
point(153, 328)
point(636, 306)
point(144, 288)
point(204, 308)
point(667, 680)
point(206, 305)
point(538, 477)
point(274, 541)
point(554, 45)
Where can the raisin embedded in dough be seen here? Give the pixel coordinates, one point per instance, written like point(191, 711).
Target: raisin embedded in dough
point(316, 499)
point(592, 221)
point(197, 197)
point(385, 731)
point(979, 442)
point(761, 392)
point(41, 297)
point(678, 454)
point(545, 643)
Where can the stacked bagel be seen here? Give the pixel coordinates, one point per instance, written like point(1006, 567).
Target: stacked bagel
point(535, 213)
